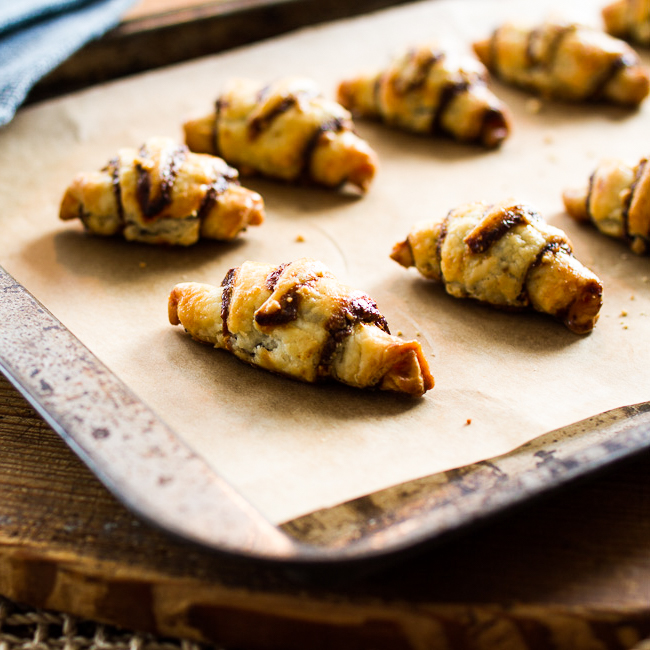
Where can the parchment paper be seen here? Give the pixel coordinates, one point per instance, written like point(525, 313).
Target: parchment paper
point(292, 448)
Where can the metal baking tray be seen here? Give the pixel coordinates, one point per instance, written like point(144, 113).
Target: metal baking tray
point(147, 466)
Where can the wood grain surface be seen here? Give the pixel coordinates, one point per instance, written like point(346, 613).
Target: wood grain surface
point(571, 571)
point(156, 33)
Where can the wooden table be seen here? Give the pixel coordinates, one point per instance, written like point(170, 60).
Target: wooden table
point(571, 571)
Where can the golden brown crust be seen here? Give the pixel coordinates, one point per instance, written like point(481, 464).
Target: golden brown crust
point(566, 61)
point(628, 19)
point(298, 320)
point(285, 130)
point(427, 90)
point(617, 201)
point(507, 256)
point(163, 194)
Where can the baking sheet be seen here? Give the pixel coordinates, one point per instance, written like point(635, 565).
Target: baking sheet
point(292, 448)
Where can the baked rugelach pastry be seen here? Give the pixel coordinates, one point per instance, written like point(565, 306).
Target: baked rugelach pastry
point(565, 61)
point(296, 319)
point(163, 193)
point(285, 130)
point(629, 20)
point(508, 256)
point(617, 201)
point(427, 90)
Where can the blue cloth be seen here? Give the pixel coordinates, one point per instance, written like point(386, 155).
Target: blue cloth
point(37, 35)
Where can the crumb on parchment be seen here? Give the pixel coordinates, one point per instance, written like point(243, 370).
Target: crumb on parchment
point(533, 105)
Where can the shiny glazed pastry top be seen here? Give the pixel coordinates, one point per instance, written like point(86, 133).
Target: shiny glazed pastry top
point(296, 319)
point(508, 256)
point(616, 199)
point(428, 90)
point(566, 61)
point(163, 194)
point(285, 130)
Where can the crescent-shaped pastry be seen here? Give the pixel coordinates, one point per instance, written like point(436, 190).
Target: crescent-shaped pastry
point(427, 90)
point(163, 194)
point(564, 61)
point(628, 19)
point(296, 319)
point(617, 201)
point(285, 130)
point(508, 256)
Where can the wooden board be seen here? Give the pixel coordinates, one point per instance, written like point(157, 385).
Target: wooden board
point(571, 571)
point(156, 34)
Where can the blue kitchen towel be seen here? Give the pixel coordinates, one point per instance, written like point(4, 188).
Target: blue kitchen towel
point(37, 35)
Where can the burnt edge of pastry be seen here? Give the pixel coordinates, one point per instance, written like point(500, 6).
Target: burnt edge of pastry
point(153, 205)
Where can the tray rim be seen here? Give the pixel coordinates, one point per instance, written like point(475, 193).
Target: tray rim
point(109, 423)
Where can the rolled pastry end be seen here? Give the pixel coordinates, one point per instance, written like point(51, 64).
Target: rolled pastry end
point(409, 372)
point(197, 307)
point(496, 128)
point(562, 287)
point(343, 157)
point(235, 210)
point(71, 205)
point(614, 17)
point(199, 134)
point(403, 254)
point(630, 86)
point(358, 96)
point(575, 202)
point(175, 297)
point(483, 50)
point(90, 197)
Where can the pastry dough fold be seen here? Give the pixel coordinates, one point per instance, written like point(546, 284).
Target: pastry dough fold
point(427, 90)
point(617, 201)
point(298, 320)
point(286, 130)
point(628, 19)
point(508, 256)
point(163, 194)
point(565, 61)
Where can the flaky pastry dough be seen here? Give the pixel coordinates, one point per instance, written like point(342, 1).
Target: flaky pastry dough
point(566, 61)
point(163, 194)
point(628, 19)
point(285, 130)
point(296, 319)
point(617, 201)
point(428, 90)
point(508, 256)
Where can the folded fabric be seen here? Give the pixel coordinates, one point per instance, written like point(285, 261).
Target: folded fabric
point(38, 35)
